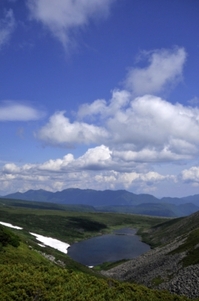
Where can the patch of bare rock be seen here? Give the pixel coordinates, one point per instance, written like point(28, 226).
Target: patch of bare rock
point(161, 270)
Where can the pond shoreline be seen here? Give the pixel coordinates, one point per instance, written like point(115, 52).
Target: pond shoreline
point(121, 244)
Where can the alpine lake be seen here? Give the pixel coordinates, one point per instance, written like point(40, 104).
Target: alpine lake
point(119, 245)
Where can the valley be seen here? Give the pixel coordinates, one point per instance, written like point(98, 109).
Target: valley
point(171, 267)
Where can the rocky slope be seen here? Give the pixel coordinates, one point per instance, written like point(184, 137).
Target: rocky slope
point(164, 267)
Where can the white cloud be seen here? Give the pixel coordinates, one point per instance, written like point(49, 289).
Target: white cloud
point(96, 158)
point(194, 101)
point(13, 111)
point(11, 168)
point(60, 131)
point(97, 169)
point(165, 67)
point(7, 25)
point(131, 178)
point(120, 99)
point(191, 175)
point(144, 129)
point(153, 123)
point(58, 164)
point(62, 17)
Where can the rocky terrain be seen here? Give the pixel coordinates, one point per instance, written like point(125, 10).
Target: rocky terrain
point(162, 270)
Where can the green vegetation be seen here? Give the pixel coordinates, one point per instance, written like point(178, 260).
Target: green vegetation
point(165, 232)
point(168, 231)
point(7, 237)
point(186, 228)
point(157, 281)
point(27, 275)
point(108, 265)
point(45, 206)
point(67, 226)
point(191, 247)
point(71, 226)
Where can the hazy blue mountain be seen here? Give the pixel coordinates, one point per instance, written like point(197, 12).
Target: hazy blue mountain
point(86, 197)
point(31, 195)
point(194, 199)
point(115, 201)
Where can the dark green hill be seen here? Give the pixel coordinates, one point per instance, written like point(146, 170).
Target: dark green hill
point(153, 209)
point(25, 275)
point(45, 205)
point(170, 230)
point(169, 210)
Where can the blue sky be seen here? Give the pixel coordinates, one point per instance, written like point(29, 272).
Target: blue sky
point(99, 94)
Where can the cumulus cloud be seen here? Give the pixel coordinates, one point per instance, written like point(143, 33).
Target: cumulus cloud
point(58, 164)
point(10, 168)
point(13, 111)
point(60, 131)
point(97, 168)
point(191, 175)
point(97, 158)
point(145, 129)
point(165, 67)
point(151, 122)
point(63, 17)
point(7, 25)
point(120, 99)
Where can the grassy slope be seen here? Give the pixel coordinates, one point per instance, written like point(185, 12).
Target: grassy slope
point(26, 275)
point(168, 231)
point(152, 209)
point(186, 228)
point(71, 226)
point(29, 276)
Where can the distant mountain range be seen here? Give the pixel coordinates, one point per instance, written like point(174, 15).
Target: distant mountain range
point(114, 201)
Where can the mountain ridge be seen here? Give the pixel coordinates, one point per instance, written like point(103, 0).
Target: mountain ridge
point(114, 201)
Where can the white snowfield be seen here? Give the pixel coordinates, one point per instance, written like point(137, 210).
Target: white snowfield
point(47, 241)
point(52, 242)
point(10, 226)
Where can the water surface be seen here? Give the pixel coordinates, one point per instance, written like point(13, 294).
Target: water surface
point(121, 244)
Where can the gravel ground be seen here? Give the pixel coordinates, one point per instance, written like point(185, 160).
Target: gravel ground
point(160, 270)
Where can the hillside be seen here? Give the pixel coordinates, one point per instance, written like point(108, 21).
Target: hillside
point(25, 274)
point(174, 263)
point(153, 209)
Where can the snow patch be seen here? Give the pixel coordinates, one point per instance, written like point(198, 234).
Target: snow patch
point(52, 242)
point(10, 226)
point(41, 245)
